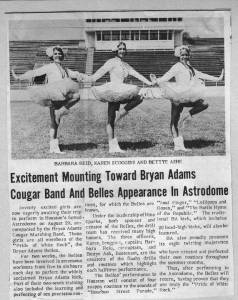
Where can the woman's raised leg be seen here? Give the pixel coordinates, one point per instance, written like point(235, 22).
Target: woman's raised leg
point(64, 110)
point(197, 107)
point(130, 104)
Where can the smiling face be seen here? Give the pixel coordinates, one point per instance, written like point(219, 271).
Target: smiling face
point(184, 56)
point(58, 55)
point(121, 50)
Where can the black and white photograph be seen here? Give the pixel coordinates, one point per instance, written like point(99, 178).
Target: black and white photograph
point(104, 85)
point(119, 130)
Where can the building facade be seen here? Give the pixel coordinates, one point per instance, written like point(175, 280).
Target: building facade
point(138, 33)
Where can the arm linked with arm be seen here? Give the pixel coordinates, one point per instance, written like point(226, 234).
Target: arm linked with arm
point(168, 75)
point(101, 71)
point(78, 76)
point(137, 75)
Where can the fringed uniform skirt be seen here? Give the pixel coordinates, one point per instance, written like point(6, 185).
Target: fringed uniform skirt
point(115, 92)
point(176, 93)
point(62, 90)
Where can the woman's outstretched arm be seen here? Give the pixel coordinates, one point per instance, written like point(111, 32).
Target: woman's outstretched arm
point(166, 77)
point(101, 71)
point(137, 75)
point(78, 76)
point(30, 74)
point(209, 77)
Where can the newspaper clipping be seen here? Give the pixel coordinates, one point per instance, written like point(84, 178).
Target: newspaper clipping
point(119, 171)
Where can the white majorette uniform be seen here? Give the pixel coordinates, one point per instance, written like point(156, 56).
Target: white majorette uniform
point(59, 83)
point(188, 87)
point(116, 90)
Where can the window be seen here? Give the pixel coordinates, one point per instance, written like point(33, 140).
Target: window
point(137, 20)
point(99, 35)
point(99, 20)
point(125, 20)
point(170, 35)
point(106, 35)
point(115, 20)
point(180, 19)
point(162, 19)
point(144, 20)
point(135, 36)
point(125, 35)
point(116, 35)
point(153, 35)
point(144, 35)
point(153, 19)
point(170, 19)
point(88, 20)
point(132, 20)
point(174, 19)
point(163, 34)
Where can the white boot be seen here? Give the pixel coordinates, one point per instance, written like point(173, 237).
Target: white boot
point(54, 146)
point(60, 113)
point(179, 144)
point(114, 146)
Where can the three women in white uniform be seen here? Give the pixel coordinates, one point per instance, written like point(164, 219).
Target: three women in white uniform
point(61, 92)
